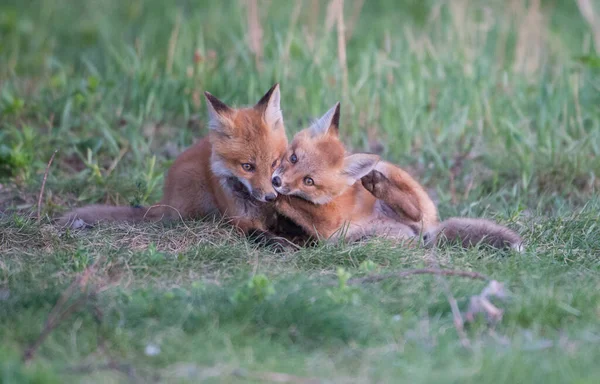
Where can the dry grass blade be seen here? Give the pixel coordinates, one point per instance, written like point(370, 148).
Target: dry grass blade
point(311, 31)
point(341, 35)
point(456, 169)
point(39, 204)
point(255, 32)
point(530, 41)
point(358, 4)
point(587, 11)
point(173, 43)
point(331, 15)
point(116, 161)
point(293, 21)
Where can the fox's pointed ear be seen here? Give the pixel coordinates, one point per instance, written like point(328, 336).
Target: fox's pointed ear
point(329, 123)
point(358, 165)
point(219, 114)
point(269, 106)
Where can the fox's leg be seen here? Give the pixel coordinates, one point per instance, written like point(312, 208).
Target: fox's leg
point(242, 215)
point(247, 225)
point(256, 231)
point(251, 227)
point(395, 192)
point(387, 229)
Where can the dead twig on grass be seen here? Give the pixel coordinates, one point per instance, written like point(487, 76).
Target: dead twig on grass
point(477, 303)
point(457, 318)
point(412, 272)
point(124, 368)
point(275, 377)
point(39, 205)
point(456, 315)
point(439, 273)
point(481, 303)
point(61, 311)
point(197, 373)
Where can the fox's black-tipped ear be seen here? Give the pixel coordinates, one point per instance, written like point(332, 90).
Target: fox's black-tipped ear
point(218, 113)
point(329, 123)
point(215, 105)
point(264, 101)
point(334, 126)
point(269, 105)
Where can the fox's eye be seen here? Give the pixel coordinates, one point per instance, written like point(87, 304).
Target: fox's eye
point(293, 158)
point(308, 181)
point(274, 164)
point(248, 167)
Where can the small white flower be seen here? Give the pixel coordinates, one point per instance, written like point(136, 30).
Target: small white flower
point(152, 350)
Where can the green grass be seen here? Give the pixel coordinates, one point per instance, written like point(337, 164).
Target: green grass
point(497, 115)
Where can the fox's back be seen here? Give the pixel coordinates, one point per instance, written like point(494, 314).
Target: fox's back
point(190, 187)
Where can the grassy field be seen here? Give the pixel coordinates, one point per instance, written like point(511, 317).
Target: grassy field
point(493, 105)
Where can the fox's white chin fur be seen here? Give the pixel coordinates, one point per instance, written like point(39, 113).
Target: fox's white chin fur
point(318, 201)
point(219, 168)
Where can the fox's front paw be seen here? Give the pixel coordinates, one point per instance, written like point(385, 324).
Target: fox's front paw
point(374, 182)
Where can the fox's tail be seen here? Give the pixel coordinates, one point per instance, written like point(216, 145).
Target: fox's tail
point(470, 232)
point(91, 215)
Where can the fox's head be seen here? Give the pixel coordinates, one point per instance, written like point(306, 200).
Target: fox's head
point(316, 166)
point(247, 143)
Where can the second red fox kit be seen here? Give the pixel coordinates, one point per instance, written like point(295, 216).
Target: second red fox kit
point(325, 197)
point(227, 173)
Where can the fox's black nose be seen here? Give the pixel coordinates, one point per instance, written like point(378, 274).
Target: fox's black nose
point(270, 197)
point(276, 181)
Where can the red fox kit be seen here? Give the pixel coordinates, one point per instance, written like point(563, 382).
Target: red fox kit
point(227, 173)
point(325, 198)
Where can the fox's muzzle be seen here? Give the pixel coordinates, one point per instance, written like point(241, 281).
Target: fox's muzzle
point(278, 183)
point(262, 196)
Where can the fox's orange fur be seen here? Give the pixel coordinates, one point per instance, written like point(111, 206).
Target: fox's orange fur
point(325, 197)
point(227, 173)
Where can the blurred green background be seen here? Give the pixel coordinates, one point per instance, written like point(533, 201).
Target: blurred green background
point(497, 94)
